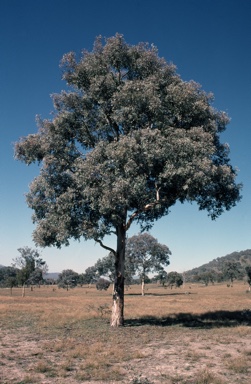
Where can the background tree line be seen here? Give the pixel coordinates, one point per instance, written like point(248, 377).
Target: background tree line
point(29, 269)
point(144, 257)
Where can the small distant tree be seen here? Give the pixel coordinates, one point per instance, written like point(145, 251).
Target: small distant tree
point(232, 271)
point(89, 276)
point(174, 279)
point(248, 272)
point(8, 277)
point(161, 277)
point(106, 267)
point(7, 273)
point(219, 276)
point(146, 255)
point(206, 277)
point(102, 284)
point(30, 267)
point(67, 279)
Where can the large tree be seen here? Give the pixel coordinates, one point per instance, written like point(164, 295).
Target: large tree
point(128, 139)
point(146, 255)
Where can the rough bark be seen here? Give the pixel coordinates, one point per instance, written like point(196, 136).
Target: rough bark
point(117, 318)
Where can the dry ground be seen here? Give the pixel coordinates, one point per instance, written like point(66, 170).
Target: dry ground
point(198, 336)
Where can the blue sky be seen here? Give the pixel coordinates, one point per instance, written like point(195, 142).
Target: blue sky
point(208, 40)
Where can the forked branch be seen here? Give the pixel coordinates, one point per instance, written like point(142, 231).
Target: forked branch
point(144, 209)
point(105, 246)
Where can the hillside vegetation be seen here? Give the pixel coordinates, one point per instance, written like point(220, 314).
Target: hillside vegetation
point(226, 268)
point(242, 259)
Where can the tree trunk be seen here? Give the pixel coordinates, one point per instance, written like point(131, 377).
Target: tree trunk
point(143, 286)
point(119, 280)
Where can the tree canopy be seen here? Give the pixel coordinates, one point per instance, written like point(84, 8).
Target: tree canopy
point(146, 255)
point(106, 267)
point(174, 279)
point(30, 266)
point(129, 138)
point(129, 135)
point(8, 277)
point(232, 271)
point(68, 279)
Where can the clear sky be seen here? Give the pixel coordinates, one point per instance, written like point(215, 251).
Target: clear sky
point(208, 40)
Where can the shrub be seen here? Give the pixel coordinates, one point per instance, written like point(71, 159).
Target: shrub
point(102, 284)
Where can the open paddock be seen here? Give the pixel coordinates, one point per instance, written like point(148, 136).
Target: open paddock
point(190, 335)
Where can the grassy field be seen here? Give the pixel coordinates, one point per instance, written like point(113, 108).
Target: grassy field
point(191, 335)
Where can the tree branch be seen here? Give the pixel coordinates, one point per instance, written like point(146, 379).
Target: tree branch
point(144, 209)
point(105, 246)
point(113, 125)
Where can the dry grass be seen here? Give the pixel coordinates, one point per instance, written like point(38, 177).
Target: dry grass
point(198, 336)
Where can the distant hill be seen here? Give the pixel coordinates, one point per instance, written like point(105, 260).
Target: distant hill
point(52, 275)
point(243, 258)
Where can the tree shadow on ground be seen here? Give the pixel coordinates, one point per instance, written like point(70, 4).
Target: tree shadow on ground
point(214, 319)
point(162, 294)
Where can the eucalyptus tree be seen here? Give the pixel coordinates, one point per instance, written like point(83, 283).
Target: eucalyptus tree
point(8, 277)
point(68, 279)
point(89, 276)
point(232, 271)
point(146, 255)
point(161, 277)
point(128, 139)
point(102, 284)
point(31, 267)
point(106, 267)
point(174, 279)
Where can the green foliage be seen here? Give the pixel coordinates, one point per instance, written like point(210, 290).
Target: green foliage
point(106, 267)
point(216, 267)
point(127, 141)
point(68, 279)
point(161, 277)
point(146, 255)
point(207, 277)
point(30, 266)
point(102, 284)
point(8, 277)
point(174, 279)
point(231, 271)
point(143, 254)
point(90, 276)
